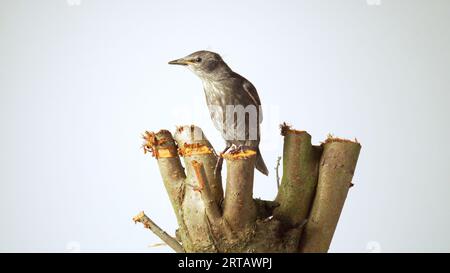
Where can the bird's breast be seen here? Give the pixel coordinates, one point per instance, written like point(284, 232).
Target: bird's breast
point(215, 93)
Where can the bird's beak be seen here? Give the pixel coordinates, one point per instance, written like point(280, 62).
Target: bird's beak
point(181, 61)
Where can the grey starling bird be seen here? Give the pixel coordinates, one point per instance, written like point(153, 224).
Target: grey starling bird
point(233, 102)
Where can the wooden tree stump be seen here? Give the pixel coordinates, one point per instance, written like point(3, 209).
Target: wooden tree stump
point(302, 218)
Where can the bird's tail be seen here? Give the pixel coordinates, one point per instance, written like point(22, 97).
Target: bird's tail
point(260, 165)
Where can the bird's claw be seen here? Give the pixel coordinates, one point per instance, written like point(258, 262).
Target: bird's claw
point(238, 149)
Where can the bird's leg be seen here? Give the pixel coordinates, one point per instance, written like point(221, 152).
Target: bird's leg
point(219, 162)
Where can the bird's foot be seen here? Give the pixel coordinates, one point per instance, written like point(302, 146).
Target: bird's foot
point(239, 149)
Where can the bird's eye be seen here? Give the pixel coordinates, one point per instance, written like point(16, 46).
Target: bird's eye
point(198, 60)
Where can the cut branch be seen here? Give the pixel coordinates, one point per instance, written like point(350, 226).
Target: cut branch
point(148, 223)
point(336, 170)
point(163, 148)
point(194, 146)
point(239, 207)
point(300, 171)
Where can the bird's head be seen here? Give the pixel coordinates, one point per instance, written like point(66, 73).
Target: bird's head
point(204, 64)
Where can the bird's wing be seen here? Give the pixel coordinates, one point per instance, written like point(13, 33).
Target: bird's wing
point(247, 130)
point(251, 92)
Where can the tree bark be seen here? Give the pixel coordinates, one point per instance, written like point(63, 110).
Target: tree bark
point(336, 170)
point(239, 207)
point(302, 218)
point(148, 223)
point(300, 171)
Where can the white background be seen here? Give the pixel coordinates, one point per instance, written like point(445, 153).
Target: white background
point(80, 80)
